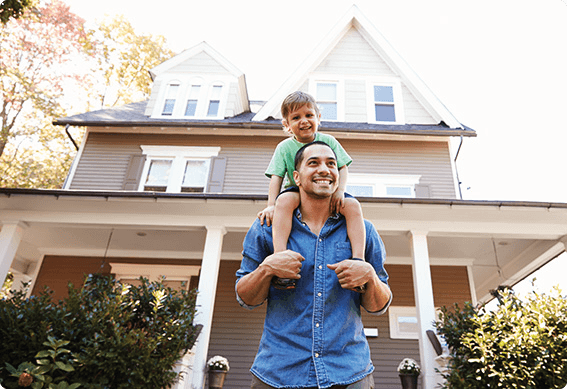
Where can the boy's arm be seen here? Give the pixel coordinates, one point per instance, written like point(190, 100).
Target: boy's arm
point(273, 191)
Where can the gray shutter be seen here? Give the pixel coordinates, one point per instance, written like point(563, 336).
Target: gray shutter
point(134, 172)
point(422, 191)
point(216, 175)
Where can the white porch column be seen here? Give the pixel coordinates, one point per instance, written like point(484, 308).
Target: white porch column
point(10, 238)
point(423, 289)
point(206, 302)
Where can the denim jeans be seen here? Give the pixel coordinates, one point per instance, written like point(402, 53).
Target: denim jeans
point(365, 383)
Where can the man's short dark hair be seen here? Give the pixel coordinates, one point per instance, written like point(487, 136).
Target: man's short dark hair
point(299, 155)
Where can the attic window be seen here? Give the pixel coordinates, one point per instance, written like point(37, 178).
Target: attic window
point(327, 100)
point(170, 98)
point(191, 108)
point(214, 101)
point(385, 101)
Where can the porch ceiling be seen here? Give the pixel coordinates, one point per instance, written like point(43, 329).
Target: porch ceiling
point(500, 242)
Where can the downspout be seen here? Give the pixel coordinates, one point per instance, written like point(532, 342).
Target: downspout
point(77, 147)
point(457, 170)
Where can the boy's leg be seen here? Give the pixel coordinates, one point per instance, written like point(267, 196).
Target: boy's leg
point(286, 203)
point(352, 211)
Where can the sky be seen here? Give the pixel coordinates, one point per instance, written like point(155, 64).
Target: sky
point(499, 66)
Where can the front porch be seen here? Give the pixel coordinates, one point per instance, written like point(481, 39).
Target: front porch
point(493, 242)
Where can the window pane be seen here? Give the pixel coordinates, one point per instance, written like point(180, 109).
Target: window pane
point(158, 174)
point(360, 190)
point(407, 324)
point(196, 174)
point(383, 94)
point(191, 108)
point(385, 113)
point(213, 108)
point(326, 92)
point(168, 107)
point(399, 191)
point(170, 99)
point(328, 111)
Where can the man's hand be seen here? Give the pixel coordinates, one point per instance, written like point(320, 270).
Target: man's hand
point(337, 201)
point(284, 264)
point(266, 214)
point(352, 273)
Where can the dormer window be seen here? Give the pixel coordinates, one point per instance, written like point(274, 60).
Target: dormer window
point(214, 101)
point(193, 97)
point(384, 102)
point(191, 107)
point(171, 96)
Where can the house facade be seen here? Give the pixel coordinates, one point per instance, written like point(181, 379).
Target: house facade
point(169, 187)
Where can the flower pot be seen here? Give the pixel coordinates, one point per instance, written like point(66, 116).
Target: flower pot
point(409, 381)
point(216, 378)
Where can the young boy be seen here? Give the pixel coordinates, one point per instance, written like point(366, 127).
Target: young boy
point(301, 118)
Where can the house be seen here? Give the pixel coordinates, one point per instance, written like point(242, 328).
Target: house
point(169, 186)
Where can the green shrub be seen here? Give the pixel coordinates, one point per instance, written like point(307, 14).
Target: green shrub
point(121, 336)
point(520, 344)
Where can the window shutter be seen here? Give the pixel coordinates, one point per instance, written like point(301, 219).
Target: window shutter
point(422, 191)
point(134, 172)
point(216, 175)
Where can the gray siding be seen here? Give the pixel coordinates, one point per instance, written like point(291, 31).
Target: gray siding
point(105, 160)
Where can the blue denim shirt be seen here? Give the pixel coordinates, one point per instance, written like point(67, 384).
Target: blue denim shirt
point(313, 334)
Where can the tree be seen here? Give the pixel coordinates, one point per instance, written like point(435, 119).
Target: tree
point(520, 344)
point(124, 59)
point(13, 9)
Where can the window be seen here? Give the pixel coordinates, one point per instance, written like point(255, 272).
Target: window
point(384, 104)
point(170, 98)
point(192, 97)
point(385, 101)
point(191, 108)
point(176, 276)
point(177, 169)
point(382, 185)
point(403, 323)
point(214, 101)
point(327, 100)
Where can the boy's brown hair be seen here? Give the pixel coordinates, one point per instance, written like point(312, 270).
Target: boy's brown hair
point(296, 100)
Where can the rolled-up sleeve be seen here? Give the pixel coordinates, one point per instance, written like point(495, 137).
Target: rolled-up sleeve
point(255, 249)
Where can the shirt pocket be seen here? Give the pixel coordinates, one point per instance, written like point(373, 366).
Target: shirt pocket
point(343, 251)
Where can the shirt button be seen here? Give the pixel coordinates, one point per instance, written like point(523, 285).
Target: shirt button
point(319, 294)
point(320, 267)
point(320, 240)
point(316, 355)
point(317, 325)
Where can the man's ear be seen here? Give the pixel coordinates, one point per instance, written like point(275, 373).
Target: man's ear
point(296, 178)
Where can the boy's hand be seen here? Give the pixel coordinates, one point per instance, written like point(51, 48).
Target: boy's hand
point(337, 201)
point(266, 214)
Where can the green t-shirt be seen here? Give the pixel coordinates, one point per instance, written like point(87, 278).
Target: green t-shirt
point(284, 156)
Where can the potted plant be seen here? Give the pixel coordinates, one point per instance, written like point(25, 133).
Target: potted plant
point(218, 367)
point(409, 370)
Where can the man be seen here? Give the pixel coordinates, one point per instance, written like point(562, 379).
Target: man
point(313, 334)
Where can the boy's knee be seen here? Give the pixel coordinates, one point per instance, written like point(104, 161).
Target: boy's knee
point(287, 200)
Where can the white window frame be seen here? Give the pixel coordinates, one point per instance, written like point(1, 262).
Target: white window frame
point(381, 182)
point(339, 82)
point(398, 99)
point(133, 271)
point(179, 155)
point(394, 313)
point(185, 82)
point(168, 88)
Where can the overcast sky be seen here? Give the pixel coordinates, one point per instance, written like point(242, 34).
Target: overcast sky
point(498, 65)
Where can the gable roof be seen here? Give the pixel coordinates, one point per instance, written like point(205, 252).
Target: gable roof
point(355, 19)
